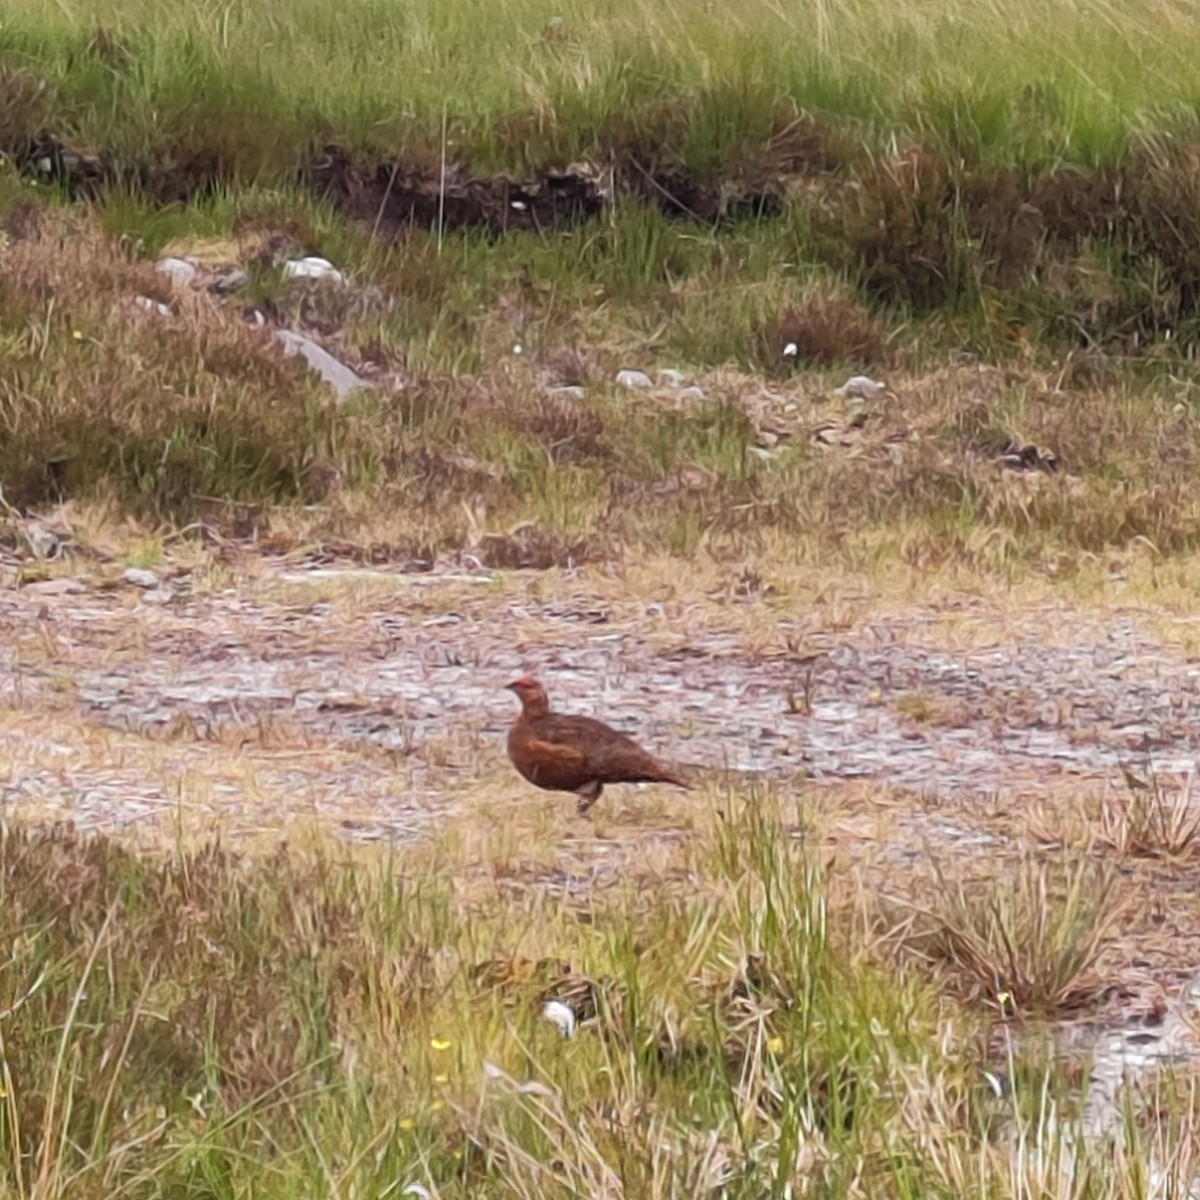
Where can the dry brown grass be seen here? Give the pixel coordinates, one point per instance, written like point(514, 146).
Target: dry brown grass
point(1029, 940)
point(215, 425)
point(1151, 818)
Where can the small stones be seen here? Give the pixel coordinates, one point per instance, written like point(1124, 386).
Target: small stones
point(1029, 458)
point(561, 1016)
point(634, 379)
point(139, 577)
point(154, 306)
point(178, 270)
point(572, 392)
point(43, 543)
point(669, 385)
point(312, 267)
point(861, 387)
point(339, 376)
point(225, 283)
point(60, 586)
point(186, 272)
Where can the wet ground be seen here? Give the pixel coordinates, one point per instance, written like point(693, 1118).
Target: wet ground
point(372, 703)
point(404, 675)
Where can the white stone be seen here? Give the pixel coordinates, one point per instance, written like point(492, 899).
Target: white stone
point(671, 377)
point(229, 281)
point(574, 392)
point(43, 542)
point(154, 306)
point(139, 577)
point(339, 376)
point(178, 270)
point(862, 387)
point(633, 379)
point(561, 1016)
point(312, 267)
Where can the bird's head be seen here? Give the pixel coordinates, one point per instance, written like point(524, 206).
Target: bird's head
point(531, 694)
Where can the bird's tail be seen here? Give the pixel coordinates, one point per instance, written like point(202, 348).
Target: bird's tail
point(671, 775)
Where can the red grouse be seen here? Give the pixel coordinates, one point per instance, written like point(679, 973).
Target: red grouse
point(576, 754)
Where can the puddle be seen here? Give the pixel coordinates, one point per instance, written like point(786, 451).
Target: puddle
point(889, 703)
point(387, 710)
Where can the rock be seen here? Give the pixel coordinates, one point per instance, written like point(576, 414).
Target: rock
point(178, 270)
point(561, 1016)
point(139, 577)
point(1029, 458)
point(339, 376)
point(634, 379)
point(227, 282)
point(42, 542)
point(791, 350)
point(154, 306)
point(862, 387)
point(766, 438)
point(312, 267)
point(566, 393)
point(670, 378)
point(690, 393)
point(56, 587)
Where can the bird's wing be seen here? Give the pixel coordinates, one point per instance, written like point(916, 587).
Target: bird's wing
point(555, 763)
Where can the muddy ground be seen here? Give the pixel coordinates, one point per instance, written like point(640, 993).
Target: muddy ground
point(263, 700)
point(383, 692)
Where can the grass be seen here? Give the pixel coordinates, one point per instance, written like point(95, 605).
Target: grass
point(1151, 818)
point(214, 425)
point(556, 82)
point(199, 1024)
point(990, 208)
point(1031, 945)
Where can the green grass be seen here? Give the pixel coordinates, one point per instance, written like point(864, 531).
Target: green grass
point(994, 207)
point(197, 417)
point(311, 1024)
point(557, 80)
point(1021, 176)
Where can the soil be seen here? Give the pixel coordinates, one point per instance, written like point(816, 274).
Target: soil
point(372, 703)
point(404, 674)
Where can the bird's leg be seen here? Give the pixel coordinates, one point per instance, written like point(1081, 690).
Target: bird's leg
point(588, 795)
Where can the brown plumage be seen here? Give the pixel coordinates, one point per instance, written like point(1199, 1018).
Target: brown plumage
point(576, 754)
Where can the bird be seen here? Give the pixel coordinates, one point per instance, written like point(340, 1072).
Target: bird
point(561, 753)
